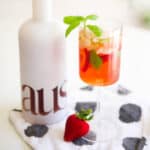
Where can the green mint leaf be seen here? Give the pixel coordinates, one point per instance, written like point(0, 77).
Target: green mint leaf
point(95, 60)
point(72, 27)
point(95, 29)
point(72, 19)
point(91, 17)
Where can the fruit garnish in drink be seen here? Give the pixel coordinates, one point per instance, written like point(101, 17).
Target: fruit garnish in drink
point(99, 49)
point(84, 57)
point(92, 44)
point(76, 125)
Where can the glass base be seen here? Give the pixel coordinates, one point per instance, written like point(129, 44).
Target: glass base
point(106, 134)
point(103, 124)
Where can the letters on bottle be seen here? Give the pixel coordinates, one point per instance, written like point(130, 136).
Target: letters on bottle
point(37, 96)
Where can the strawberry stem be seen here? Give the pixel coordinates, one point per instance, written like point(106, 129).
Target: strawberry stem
point(85, 114)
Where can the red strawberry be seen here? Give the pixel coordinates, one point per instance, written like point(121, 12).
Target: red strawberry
point(76, 126)
point(84, 59)
point(106, 57)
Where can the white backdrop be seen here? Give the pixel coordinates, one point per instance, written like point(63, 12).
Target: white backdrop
point(135, 70)
point(13, 13)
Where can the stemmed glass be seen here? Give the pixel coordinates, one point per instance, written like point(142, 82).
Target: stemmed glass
point(100, 139)
point(99, 64)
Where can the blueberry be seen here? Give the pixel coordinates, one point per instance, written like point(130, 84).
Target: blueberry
point(88, 139)
point(36, 130)
point(134, 143)
point(85, 105)
point(87, 88)
point(123, 91)
point(130, 113)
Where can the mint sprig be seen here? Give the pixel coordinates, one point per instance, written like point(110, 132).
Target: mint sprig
point(74, 21)
point(95, 29)
point(71, 27)
point(91, 17)
point(71, 19)
point(95, 60)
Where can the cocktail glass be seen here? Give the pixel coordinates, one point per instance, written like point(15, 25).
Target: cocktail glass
point(99, 64)
point(99, 57)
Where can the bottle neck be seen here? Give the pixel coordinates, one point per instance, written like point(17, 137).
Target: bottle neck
point(42, 9)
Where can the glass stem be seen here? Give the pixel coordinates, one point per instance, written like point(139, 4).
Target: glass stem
point(99, 92)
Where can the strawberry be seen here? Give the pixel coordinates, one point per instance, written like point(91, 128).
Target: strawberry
point(76, 125)
point(106, 57)
point(75, 128)
point(84, 59)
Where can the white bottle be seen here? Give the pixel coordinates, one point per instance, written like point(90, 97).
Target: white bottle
point(42, 63)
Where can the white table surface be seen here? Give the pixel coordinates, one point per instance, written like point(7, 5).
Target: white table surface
point(135, 70)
